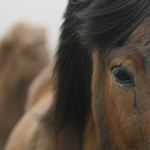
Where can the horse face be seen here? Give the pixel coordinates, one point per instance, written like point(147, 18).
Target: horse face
point(28, 54)
point(120, 92)
point(35, 56)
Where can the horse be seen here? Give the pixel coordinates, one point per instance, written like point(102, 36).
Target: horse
point(23, 54)
point(100, 83)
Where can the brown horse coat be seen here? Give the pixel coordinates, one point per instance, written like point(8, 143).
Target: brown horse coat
point(39, 101)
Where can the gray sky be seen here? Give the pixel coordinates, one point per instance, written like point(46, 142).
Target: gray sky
point(44, 12)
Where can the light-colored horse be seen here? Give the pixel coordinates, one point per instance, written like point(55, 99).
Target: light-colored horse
point(23, 54)
point(38, 102)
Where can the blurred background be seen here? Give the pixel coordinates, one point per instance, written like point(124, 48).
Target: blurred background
point(29, 33)
point(43, 12)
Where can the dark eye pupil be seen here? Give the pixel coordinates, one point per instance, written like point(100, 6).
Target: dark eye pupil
point(122, 76)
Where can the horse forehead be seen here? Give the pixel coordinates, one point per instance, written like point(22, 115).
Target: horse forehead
point(125, 52)
point(137, 45)
point(141, 35)
point(129, 56)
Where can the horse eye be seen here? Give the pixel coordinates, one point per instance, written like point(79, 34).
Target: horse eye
point(122, 77)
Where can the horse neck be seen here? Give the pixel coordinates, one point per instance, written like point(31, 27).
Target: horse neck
point(12, 99)
point(70, 138)
point(90, 139)
point(11, 85)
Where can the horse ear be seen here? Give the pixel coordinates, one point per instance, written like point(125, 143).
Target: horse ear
point(10, 40)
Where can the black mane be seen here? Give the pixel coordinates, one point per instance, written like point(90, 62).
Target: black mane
point(73, 70)
point(108, 23)
point(89, 24)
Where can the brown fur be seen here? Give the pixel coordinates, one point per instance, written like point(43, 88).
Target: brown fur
point(23, 54)
point(122, 129)
point(37, 106)
point(113, 123)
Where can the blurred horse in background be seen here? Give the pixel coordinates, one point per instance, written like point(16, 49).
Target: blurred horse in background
point(23, 54)
point(98, 96)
